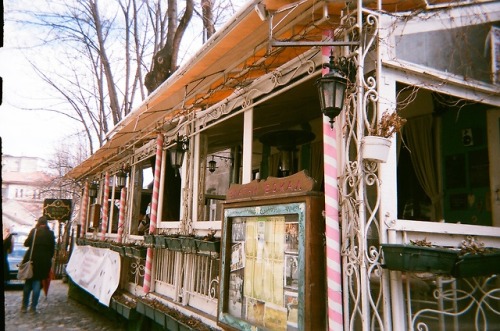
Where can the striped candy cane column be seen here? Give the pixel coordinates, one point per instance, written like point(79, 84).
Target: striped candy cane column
point(105, 207)
point(84, 208)
point(121, 214)
point(154, 207)
point(333, 267)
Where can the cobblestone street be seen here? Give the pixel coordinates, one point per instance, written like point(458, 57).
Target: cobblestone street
point(56, 312)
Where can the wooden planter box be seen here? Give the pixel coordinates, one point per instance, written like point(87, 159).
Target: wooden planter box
point(139, 252)
point(117, 248)
point(149, 240)
point(188, 244)
point(145, 309)
point(172, 323)
point(207, 245)
point(128, 251)
point(128, 312)
point(160, 242)
point(184, 327)
point(475, 265)
point(173, 243)
point(160, 318)
point(103, 244)
point(412, 258)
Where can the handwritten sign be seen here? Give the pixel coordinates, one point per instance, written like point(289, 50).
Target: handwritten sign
point(272, 186)
point(57, 209)
point(96, 270)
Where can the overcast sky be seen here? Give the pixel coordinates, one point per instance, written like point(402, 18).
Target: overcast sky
point(25, 132)
point(24, 128)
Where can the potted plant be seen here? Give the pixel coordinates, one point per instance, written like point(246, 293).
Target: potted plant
point(375, 146)
point(419, 256)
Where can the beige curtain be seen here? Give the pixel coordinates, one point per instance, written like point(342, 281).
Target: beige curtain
point(421, 143)
point(274, 163)
point(317, 171)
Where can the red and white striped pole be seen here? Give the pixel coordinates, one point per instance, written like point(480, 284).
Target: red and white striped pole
point(333, 257)
point(105, 207)
point(154, 207)
point(121, 214)
point(84, 208)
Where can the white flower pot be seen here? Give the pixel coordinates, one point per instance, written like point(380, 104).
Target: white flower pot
point(374, 148)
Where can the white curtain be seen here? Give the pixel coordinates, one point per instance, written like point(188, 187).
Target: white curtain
point(420, 140)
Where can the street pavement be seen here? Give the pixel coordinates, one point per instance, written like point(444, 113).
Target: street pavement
point(57, 312)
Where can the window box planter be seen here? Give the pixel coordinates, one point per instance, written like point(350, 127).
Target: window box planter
point(128, 251)
point(117, 248)
point(208, 245)
point(184, 327)
point(172, 323)
point(139, 252)
point(149, 240)
point(126, 310)
point(160, 242)
point(93, 243)
point(160, 318)
point(173, 243)
point(413, 258)
point(146, 308)
point(475, 265)
point(103, 244)
point(188, 244)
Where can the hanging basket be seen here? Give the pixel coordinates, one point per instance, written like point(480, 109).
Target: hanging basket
point(375, 148)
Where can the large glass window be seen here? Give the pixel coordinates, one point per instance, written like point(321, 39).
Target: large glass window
point(142, 191)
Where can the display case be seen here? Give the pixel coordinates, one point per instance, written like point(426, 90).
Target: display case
point(273, 257)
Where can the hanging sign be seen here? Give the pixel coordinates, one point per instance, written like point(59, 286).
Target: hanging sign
point(57, 209)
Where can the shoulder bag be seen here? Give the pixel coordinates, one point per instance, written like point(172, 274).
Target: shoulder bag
point(25, 270)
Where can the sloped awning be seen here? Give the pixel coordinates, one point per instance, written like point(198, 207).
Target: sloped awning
point(233, 58)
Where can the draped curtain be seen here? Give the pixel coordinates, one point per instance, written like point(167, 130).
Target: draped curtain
point(317, 162)
point(420, 140)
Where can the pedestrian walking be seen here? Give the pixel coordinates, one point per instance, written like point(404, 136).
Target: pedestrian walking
point(43, 251)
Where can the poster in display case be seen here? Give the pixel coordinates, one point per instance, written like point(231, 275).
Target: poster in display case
point(273, 264)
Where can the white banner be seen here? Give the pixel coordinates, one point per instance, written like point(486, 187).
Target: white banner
point(96, 270)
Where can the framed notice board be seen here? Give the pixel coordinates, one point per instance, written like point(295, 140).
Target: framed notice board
point(273, 264)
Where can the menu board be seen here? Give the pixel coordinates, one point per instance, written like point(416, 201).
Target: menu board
point(264, 264)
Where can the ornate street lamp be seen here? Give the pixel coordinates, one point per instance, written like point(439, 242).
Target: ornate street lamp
point(93, 188)
point(121, 178)
point(331, 88)
point(177, 153)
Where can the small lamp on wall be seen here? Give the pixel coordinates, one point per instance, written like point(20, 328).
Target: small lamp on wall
point(177, 153)
point(212, 165)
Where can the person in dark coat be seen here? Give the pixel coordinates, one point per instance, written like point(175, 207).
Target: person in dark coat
point(8, 246)
point(43, 252)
